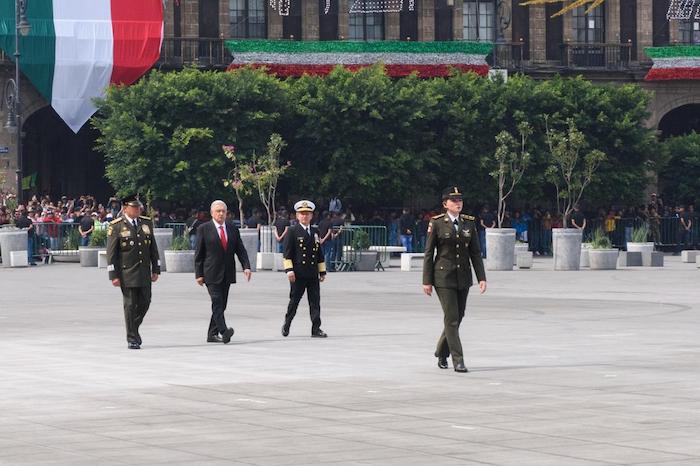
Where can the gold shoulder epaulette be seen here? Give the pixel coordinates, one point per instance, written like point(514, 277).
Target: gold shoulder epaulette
point(114, 222)
point(468, 217)
point(144, 217)
point(438, 216)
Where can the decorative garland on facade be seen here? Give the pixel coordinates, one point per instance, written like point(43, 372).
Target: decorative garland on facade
point(428, 59)
point(674, 63)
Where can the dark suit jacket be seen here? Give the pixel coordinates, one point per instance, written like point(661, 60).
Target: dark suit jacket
point(211, 261)
point(302, 253)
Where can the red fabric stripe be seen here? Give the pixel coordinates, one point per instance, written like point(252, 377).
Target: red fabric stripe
point(395, 71)
point(671, 74)
point(137, 26)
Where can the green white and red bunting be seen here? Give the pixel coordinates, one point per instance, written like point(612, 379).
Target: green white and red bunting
point(674, 63)
point(295, 58)
point(77, 48)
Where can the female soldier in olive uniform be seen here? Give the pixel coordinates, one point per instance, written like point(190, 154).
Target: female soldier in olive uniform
point(451, 249)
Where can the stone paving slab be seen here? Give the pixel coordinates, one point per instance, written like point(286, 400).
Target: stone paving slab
point(567, 368)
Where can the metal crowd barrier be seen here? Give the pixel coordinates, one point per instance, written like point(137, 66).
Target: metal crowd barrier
point(346, 256)
point(668, 234)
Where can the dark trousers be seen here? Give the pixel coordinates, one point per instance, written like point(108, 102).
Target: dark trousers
point(219, 298)
point(313, 293)
point(136, 304)
point(454, 303)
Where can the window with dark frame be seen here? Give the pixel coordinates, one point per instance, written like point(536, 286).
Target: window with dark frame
point(366, 26)
point(248, 19)
point(589, 27)
point(479, 20)
point(689, 31)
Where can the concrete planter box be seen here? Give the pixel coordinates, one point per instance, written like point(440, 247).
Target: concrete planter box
point(180, 261)
point(603, 259)
point(164, 238)
point(500, 248)
point(566, 243)
point(12, 240)
point(88, 255)
point(585, 261)
point(66, 255)
point(366, 261)
point(250, 242)
point(645, 248)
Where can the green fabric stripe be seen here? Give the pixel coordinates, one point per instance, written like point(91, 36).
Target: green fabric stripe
point(675, 51)
point(37, 50)
point(289, 46)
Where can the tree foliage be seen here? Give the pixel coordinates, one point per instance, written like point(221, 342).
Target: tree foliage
point(363, 135)
point(679, 175)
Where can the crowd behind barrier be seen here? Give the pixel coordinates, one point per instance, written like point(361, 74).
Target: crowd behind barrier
point(66, 224)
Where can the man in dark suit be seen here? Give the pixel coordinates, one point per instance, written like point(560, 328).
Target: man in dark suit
point(133, 264)
point(217, 242)
point(305, 267)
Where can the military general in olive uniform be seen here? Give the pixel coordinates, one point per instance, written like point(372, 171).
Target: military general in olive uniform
point(451, 250)
point(133, 264)
point(305, 267)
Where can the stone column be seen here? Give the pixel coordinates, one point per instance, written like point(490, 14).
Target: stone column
point(224, 20)
point(458, 20)
point(567, 27)
point(645, 28)
point(612, 21)
point(674, 32)
point(538, 34)
point(169, 20)
point(274, 23)
point(309, 20)
point(426, 20)
point(392, 25)
point(343, 18)
point(190, 19)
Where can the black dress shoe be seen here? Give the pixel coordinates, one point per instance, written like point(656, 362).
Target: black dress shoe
point(285, 330)
point(214, 339)
point(460, 367)
point(134, 345)
point(319, 334)
point(226, 336)
point(442, 362)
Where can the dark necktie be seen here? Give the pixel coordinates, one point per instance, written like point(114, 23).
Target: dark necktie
point(135, 225)
point(456, 224)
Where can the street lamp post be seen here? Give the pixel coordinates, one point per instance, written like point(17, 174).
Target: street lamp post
point(13, 95)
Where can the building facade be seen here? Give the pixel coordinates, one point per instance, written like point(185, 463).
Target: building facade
point(606, 45)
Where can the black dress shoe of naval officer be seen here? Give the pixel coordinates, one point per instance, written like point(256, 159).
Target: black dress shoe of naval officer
point(134, 345)
point(214, 339)
point(226, 336)
point(460, 367)
point(319, 334)
point(285, 330)
point(442, 362)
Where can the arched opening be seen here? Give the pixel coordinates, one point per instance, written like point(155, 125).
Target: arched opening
point(61, 162)
point(680, 120)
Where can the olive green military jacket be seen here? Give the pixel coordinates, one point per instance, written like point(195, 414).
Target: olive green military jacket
point(450, 255)
point(132, 254)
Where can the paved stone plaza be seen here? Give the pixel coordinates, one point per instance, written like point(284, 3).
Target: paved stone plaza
point(567, 368)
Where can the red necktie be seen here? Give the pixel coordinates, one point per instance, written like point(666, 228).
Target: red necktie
point(222, 235)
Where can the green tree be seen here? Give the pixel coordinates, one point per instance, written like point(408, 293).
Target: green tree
point(165, 133)
point(570, 171)
point(679, 175)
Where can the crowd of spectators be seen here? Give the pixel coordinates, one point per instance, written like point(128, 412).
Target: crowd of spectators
point(676, 226)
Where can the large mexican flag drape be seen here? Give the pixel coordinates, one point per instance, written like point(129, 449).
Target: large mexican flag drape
point(77, 48)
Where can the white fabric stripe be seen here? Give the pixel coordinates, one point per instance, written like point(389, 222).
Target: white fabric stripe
point(84, 57)
point(677, 62)
point(360, 58)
